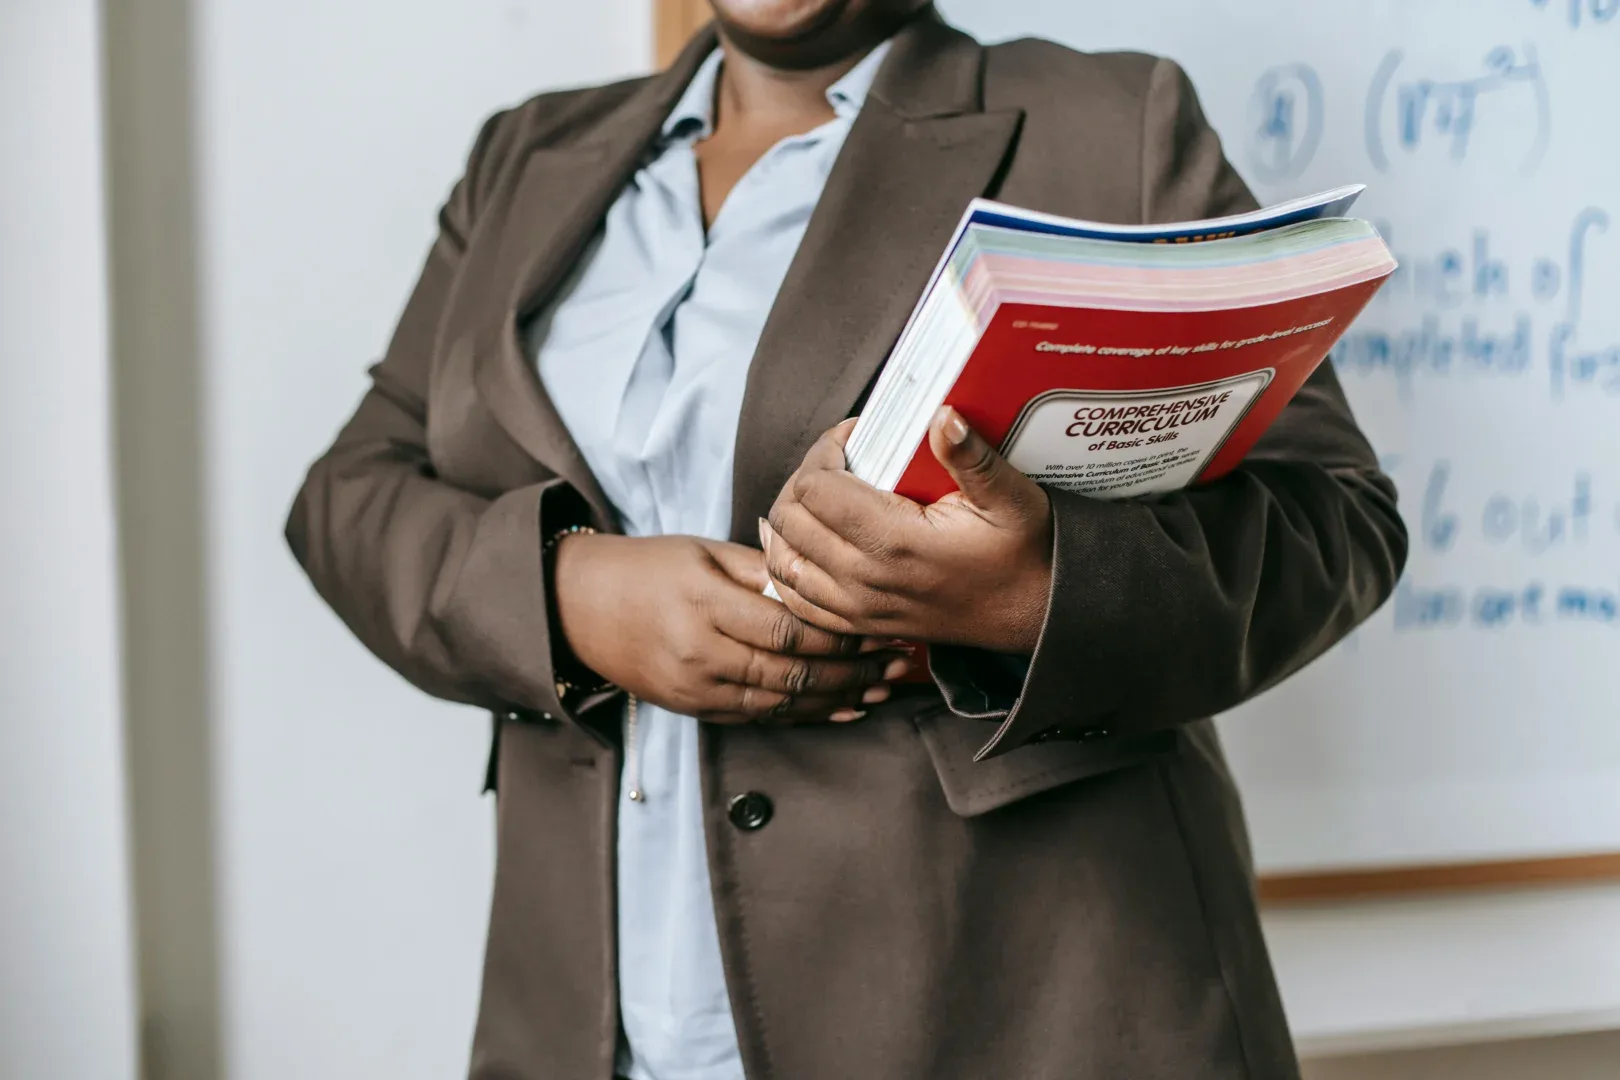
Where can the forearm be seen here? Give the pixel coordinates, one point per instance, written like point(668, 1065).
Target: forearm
point(442, 585)
point(1170, 610)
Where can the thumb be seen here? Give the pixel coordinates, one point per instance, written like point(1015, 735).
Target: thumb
point(984, 476)
point(741, 564)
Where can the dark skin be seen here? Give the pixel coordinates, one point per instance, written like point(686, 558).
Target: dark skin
point(780, 58)
point(680, 621)
point(974, 568)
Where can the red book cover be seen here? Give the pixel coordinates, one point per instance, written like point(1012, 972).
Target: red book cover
point(1117, 403)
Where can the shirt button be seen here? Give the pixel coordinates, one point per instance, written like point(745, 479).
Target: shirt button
point(749, 811)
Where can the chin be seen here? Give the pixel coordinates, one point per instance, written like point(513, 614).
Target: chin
point(781, 21)
point(801, 34)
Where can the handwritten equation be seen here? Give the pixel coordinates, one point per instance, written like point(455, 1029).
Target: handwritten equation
point(1405, 113)
point(1533, 523)
point(1530, 524)
point(1482, 298)
point(1582, 13)
point(1535, 603)
point(1287, 113)
point(1470, 314)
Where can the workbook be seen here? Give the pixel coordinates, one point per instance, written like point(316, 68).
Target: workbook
point(1117, 361)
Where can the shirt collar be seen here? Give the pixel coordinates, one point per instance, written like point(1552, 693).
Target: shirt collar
point(694, 112)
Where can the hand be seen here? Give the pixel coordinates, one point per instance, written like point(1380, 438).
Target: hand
point(974, 568)
point(682, 623)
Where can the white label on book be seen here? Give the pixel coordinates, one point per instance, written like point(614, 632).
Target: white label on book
point(1113, 445)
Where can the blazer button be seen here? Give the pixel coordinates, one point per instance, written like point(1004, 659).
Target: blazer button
point(1094, 734)
point(749, 811)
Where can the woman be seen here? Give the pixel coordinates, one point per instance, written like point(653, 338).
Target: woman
point(733, 839)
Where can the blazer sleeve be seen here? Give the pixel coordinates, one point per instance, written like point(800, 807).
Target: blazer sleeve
point(443, 585)
point(1176, 608)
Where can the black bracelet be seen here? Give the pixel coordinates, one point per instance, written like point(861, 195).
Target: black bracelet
point(574, 680)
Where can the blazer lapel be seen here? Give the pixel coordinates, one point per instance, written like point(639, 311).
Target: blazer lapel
point(920, 149)
point(561, 197)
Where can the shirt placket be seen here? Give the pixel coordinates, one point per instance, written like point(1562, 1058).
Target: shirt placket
point(645, 451)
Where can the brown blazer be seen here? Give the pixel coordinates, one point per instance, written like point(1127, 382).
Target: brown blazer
point(1076, 904)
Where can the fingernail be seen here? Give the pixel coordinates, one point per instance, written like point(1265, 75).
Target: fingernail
point(955, 428)
point(764, 535)
point(844, 716)
point(875, 695)
point(897, 669)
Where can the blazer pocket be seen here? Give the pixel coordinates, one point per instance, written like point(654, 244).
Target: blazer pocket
point(973, 788)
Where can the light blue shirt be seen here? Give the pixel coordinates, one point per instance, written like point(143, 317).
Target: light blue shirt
point(645, 353)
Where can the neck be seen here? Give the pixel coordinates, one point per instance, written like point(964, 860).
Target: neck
point(754, 93)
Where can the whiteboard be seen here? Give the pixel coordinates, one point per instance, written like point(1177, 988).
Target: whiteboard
point(1477, 716)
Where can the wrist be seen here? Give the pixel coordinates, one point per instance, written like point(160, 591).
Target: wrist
point(573, 601)
point(1024, 614)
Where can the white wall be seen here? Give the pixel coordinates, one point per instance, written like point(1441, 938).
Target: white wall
point(66, 982)
point(354, 848)
point(1449, 968)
